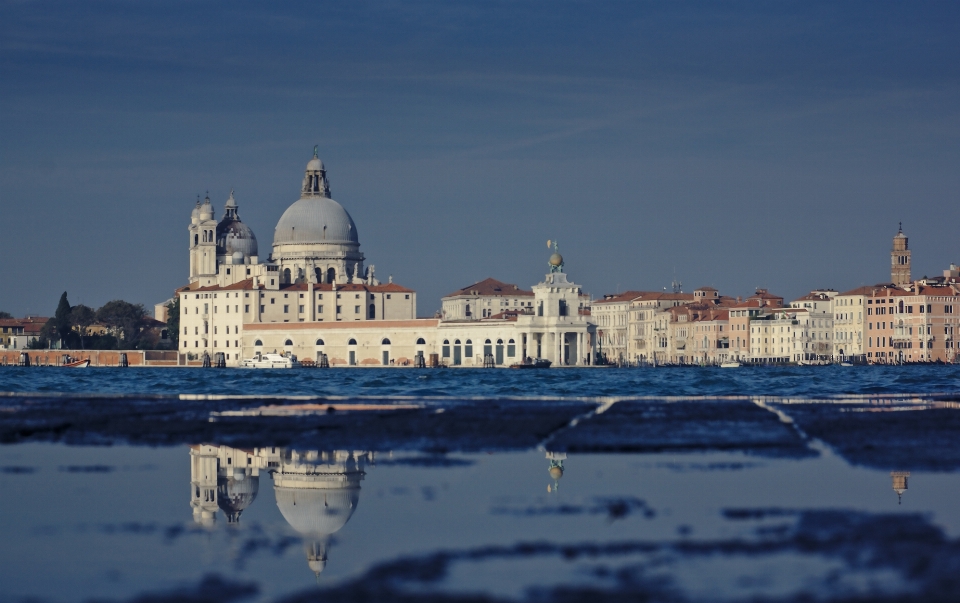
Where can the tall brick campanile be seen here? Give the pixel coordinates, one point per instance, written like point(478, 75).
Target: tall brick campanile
point(900, 259)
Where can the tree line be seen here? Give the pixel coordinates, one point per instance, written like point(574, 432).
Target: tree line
point(125, 326)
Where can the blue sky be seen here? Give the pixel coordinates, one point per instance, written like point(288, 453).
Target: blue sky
point(727, 144)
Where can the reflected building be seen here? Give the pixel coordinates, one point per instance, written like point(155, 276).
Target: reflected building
point(556, 469)
point(316, 491)
point(899, 479)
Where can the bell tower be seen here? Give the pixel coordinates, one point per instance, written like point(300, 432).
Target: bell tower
point(203, 243)
point(900, 259)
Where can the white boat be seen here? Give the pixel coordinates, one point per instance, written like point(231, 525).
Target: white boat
point(846, 364)
point(268, 361)
point(730, 364)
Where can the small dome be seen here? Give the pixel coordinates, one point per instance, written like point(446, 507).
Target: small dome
point(234, 495)
point(556, 259)
point(315, 220)
point(233, 236)
point(317, 565)
point(556, 472)
point(315, 165)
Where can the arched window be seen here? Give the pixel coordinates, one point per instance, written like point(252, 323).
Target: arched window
point(352, 342)
point(288, 342)
point(385, 341)
point(196, 239)
point(420, 341)
point(468, 310)
point(469, 342)
point(446, 342)
point(331, 275)
point(286, 276)
point(457, 342)
point(319, 342)
point(487, 342)
point(511, 348)
point(373, 312)
point(499, 342)
point(258, 343)
point(511, 341)
point(468, 349)
point(901, 307)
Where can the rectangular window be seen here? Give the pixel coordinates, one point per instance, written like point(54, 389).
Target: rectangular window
point(286, 309)
point(272, 300)
point(388, 296)
point(320, 309)
point(246, 308)
point(356, 309)
point(262, 309)
point(320, 296)
point(339, 309)
point(301, 309)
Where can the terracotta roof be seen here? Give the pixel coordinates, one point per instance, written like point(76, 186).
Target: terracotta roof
point(491, 286)
point(619, 298)
point(705, 289)
point(865, 290)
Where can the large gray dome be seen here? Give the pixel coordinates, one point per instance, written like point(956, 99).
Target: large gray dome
point(315, 220)
point(317, 512)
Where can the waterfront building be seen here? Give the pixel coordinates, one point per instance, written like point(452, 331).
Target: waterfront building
point(558, 327)
point(776, 335)
point(817, 333)
point(484, 299)
point(913, 324)
point(610, 314)
point(850, 325)
point(761, 303)
point(695, 333)
point(19, 333)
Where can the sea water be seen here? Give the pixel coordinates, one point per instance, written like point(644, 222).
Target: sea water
point(670, 513)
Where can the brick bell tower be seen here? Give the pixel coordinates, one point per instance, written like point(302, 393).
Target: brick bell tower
point(900, 259)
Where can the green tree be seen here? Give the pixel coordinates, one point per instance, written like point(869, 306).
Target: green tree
point(62, 319)
point(124, 318)
point(82, 317)
point(173, 322)
point(5, 315)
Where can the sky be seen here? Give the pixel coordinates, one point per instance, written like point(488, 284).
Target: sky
point(735, 144)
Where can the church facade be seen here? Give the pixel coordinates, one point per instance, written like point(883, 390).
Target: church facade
point(313, 296)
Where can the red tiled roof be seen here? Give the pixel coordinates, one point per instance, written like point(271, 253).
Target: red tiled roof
point(491, 286)
point(619, 298)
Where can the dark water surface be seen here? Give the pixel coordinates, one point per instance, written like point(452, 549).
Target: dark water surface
point(810, 382)
point(772, 484)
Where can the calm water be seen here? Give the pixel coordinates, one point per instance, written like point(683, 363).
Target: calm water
point(810, 382)
point(781, 495)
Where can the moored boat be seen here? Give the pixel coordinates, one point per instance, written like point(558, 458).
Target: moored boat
point(77, 364)
point(267, 361)
point(532, 363)
point(730, 364)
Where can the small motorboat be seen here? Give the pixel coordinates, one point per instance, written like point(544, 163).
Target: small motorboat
point(730, 364)
point(846, 364)
point(268, 361)
point(532, 363)
point(76, 363)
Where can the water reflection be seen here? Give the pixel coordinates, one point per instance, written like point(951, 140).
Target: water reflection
point(899, 479)
point(316, 491)
point(556, 469)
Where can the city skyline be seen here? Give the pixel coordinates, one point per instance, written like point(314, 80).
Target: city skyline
point(735, 146)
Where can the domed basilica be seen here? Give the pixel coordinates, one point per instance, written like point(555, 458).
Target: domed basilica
point(315, 241)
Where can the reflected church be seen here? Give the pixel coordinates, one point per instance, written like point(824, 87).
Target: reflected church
point(316, 491)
